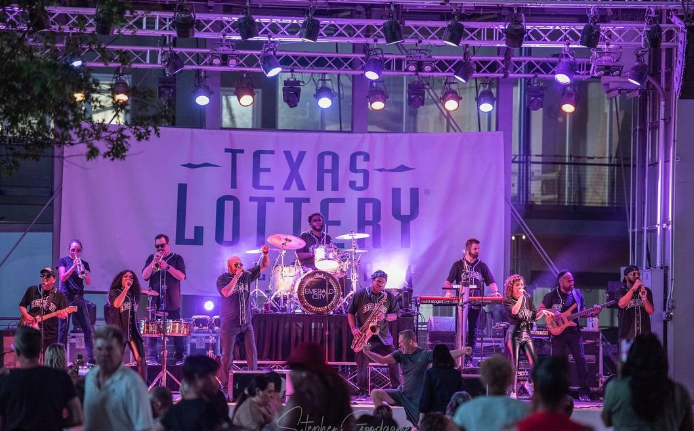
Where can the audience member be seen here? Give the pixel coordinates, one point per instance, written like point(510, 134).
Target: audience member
point(383, 411)
point(321, 396)
point(441, 381)
point(161, 400)
point(496, 410)
point(551, 381)
point(567, 405)
point(435, 421)
point(33, 397)
point(645, 398)
point(252, 411)
point(115, 397)
point(279, 395)
point(458, 399)
point(198, 409)
point(55, 357)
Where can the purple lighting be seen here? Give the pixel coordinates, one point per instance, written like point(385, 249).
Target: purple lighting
point(209, 305)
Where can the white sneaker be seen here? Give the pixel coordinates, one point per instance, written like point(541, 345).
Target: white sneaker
point(513, 395)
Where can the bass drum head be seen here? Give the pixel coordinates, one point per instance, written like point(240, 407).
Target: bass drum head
point(318, 292)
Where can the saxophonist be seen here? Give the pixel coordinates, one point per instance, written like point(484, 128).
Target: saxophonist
point(361, 307)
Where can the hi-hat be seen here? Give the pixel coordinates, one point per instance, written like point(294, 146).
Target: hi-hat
point(353, 235)
point(287, 242)
point(150, 292)
point(259, 250)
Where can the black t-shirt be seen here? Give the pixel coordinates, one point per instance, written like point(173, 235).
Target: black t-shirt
point(362, 305)
point(173, 285)
point(471, 274)
point(559, 301)
point(125, 314)
point(311, 240)
point(526, 314)
point(74, 285)
point(232, 305)
point(32, 399)
point(627, 316)
point(193, 415)
point(51, 301)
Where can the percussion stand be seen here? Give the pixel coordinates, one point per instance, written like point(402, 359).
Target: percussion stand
point(257, 290)
point(164, 339)
point(278, 262)
point(353, 275)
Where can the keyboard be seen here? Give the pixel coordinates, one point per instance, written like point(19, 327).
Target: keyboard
point(453, 300)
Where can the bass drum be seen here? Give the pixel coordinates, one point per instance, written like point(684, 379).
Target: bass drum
point(318, 292)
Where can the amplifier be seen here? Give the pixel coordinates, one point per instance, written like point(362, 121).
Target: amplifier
point(592, 348)
point(441, 330)
point(199, 344)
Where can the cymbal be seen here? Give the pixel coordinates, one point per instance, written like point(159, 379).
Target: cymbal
point(287, 242)
point(259, 250)
point(150, 292)
point(161, 313)
point(353, 235)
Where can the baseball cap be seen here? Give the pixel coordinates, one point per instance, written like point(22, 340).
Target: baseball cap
point(48, 271)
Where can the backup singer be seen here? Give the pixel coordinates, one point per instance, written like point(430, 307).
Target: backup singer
point(472, 272)
point(521, 313)
point(124, 296)
point(635, 303)
point(41, 300)
point(558, 301)
point(74, 273)
point(313, 236)
point(360, 308)
point(165, 269)
point(236, 319)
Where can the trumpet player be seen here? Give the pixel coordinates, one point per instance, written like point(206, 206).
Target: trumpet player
point(74, 273)
point(635, 303)
point(359, 310)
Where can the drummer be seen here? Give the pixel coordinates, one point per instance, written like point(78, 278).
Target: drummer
point(313, 237)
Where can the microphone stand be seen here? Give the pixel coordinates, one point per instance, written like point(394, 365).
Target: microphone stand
point(43, 351)
point(257, 290)
point(164, 327)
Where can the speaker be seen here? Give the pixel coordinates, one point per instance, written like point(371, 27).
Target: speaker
point(687, 83)
point(239, 381)
point(592, 348)
point(473, 385)
point(441, 330)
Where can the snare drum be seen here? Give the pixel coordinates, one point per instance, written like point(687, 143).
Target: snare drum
point(201, 323)
point(284, 278)
point(216, 323)
point(149, 328)
point(327, 258)
point(177, 328)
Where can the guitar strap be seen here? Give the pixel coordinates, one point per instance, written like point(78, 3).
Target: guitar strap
point(576, 301)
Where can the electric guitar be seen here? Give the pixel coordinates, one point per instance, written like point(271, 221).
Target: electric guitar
point(39, 319)
point(557, 323)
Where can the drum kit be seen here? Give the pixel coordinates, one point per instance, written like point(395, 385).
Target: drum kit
point(313, 291)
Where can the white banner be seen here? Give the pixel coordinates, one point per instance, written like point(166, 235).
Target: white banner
point(220, 193)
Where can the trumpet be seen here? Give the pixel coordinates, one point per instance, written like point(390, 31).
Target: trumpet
point(156, 265)
point(79, 267)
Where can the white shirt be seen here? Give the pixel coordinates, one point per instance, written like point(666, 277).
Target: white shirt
point(122, 403)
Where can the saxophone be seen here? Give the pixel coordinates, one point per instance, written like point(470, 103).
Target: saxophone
point(370, 326)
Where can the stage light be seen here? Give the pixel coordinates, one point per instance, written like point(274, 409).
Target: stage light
point(377, 96)
point(450, 99)
point(392, 31)
point(566, 68)
point(245, 91)
point(209, 305)
point(454, 31)
point(202, 92)
point(590, 35)
point(121, 89)
point(166, 88)
point(638, 74)
point(416, 93)
point(172, 62)
point(515, 32)
point(269, 62)
point(569, 99)
point(291, 92)
point(79, 96)
point(310, 28)
point(75, 62)
point(464, 69)
point(373, 66)
point(535, 95)
point(184, 19)
point(486, 99)
point(324, 94)
point(654, 34)
point(248, 27)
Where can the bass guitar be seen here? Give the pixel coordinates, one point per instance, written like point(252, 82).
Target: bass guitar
point(38, 319)
point(557, 323)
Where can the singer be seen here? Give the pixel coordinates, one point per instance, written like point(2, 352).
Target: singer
point(635, 303)
point(236, 319)
point(123, 297)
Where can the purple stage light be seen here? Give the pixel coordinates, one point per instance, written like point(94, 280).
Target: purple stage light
point(209, 305)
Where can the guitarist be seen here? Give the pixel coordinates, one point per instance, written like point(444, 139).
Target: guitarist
point(558, 301)
point(41, 300)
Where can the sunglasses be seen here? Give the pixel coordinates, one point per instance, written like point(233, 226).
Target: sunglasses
point(45, 276)
point(381, 281)
point(160, 245)
point(74, 250)
point(238, 265)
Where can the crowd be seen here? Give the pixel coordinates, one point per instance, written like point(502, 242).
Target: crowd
point(45, 397)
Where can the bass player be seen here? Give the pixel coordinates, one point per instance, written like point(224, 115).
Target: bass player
point(39, 301)
point(360, 309)
point(558, 301)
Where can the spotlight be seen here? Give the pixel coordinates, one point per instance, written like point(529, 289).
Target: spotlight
point(569, 99)
point(269, 62)
point(324, 94)
point(310, 28)
point(184, 19)
point(515, 32)
point(291, 92)
point(173, 63)
point(638, 75)
point(486, 99)
point(391, 28)
point(535, 95)
point(223, 54)
point(590, 35)
point(248, 27)
point(245, 91)
point(79, 96)
point(416, 93)
point(75, 62)
point(121, 89)
point(450, 98)
point(566, 68)
point(38, 17)
point(166, 88)
point(202, 92)
point(377, 96)
point(454, 32)
point(373, 66)
point(209, 305)
point(464, 70)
